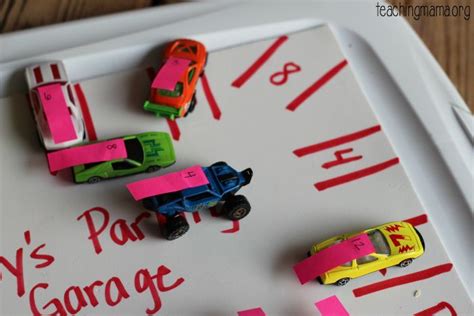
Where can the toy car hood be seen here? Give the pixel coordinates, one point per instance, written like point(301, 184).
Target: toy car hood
point(75, 116)
point(401, 237)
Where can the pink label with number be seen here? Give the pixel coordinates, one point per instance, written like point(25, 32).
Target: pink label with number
point(98, 152)
point(169, 73)
point(252, 312)
point(172, 182)
point(57, 113)
point(333, 256)
point(331, 306)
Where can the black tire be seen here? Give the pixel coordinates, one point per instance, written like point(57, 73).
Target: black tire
point(192, 106)
point(175, 227)
point(342, 282)
point(94, 179)
point(405, 263)
point(236, 207)
point(153, 168)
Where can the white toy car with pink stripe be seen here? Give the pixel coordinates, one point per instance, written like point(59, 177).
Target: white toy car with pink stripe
point(54, 105)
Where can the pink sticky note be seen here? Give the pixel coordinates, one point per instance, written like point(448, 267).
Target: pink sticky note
point(333, 256)
point(331, 306)
point(57, 113)
point(169, 73)
point(172, 182)
point(102, 151)
point(252, 312)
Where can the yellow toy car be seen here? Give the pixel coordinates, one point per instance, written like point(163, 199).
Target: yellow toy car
point(395, 243)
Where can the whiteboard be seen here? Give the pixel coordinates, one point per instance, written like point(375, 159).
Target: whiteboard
point(224, 269)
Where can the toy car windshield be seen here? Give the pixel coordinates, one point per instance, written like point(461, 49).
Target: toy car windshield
point(134, 150)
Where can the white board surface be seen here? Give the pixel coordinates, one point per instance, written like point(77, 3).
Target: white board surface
point(223, 272)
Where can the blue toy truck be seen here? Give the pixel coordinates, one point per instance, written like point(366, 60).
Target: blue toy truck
point(224, 182)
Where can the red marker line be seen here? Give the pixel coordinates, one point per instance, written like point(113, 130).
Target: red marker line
point(86, 114)
point(196, 217)
point(235, 228)
point(409, 278)
point(242, 79)
point(340, 160)
point(213, 211)
point(435, 309)
point(337, 141)
point(417, 220)
point(27, 237)
point(293, 105)
point(216, 112)
point(174, 129)
point(326, 184)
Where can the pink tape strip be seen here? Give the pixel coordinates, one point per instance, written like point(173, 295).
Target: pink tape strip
point(331, 306)
point(169, 73)
point(333, 256)
point(103, 151)
point(57, 113)
point(252, 312)
point(172, 182)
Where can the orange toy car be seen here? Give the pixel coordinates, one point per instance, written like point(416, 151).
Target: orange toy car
point(181, 99)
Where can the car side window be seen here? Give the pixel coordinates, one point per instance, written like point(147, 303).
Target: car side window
point(122, 165)
point(366, 259)
point(91, 165)
point(191, 74)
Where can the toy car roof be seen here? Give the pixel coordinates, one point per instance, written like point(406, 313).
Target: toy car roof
point(45, 73)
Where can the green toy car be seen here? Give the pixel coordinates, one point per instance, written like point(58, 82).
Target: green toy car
point(146, 152)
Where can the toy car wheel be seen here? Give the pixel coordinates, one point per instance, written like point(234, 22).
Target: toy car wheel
point(94, 179)
point(405, 263)
point(342, 282)
point(192, 105)
point(153, 168)
point(236, 207)
point(175, 227)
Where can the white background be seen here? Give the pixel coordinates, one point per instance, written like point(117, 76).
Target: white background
point(223, 273)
